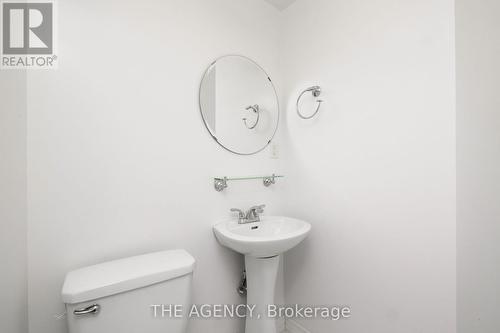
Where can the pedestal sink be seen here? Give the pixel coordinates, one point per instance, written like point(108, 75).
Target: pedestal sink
point(261, 243)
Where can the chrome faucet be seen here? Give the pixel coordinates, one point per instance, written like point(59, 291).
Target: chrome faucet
point(252, 215)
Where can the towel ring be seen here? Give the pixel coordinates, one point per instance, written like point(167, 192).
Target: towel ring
point(256, 110)
point(316, 91)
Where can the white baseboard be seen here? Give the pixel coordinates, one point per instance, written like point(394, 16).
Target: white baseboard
point(293, 327)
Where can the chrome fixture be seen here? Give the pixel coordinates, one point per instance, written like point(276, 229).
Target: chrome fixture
point(93, 309)
point(255, 109)
point(221, 183)
point(241, 215)
point(252, 215)
point(316, 91)
point(268, 181)
point(242, 286)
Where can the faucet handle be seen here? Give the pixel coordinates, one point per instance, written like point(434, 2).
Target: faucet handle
point(259, 209)
point(254, 211)
point(239, 211)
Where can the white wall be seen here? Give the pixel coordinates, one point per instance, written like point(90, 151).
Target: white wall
point(478, 165)
point(13, 247)
point(375, 172)
point(120, 162)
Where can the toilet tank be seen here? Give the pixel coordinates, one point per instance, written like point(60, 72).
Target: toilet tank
point(131, 295)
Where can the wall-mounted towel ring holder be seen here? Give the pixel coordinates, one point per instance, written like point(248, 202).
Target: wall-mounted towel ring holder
point(255, 108)
point(316, 91)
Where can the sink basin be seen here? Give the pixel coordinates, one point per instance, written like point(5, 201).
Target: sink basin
point(272, 236)
point(262, 243)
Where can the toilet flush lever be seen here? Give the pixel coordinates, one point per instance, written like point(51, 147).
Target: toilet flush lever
point(93, 309)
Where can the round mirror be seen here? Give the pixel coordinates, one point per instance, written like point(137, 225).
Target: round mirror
point(239, 104)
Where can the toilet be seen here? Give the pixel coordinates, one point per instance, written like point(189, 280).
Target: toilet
point(131, 295)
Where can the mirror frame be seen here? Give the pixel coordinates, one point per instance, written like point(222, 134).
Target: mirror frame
point(275, 94)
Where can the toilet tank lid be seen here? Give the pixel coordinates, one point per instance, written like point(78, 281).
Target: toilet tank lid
point(122, 275)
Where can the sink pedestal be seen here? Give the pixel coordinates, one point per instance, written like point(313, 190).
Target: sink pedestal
point(261, 285)
point(262, 243)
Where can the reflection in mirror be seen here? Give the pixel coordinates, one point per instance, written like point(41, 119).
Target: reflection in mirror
point(239, 104)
